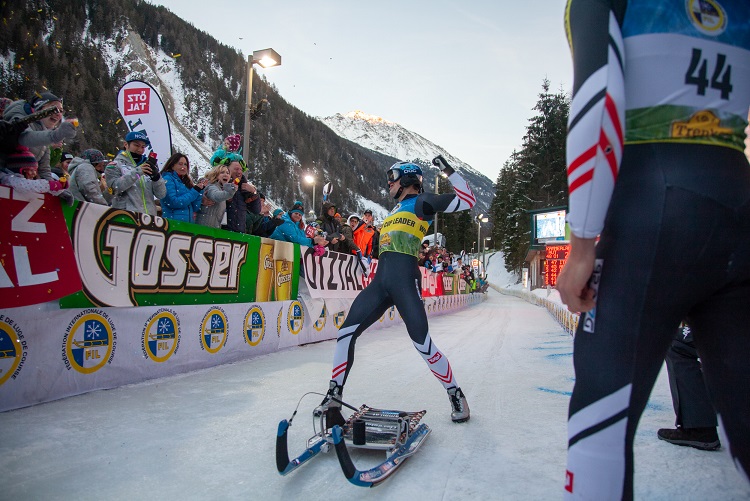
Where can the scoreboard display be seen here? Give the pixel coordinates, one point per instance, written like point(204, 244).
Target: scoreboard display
point(555, 257)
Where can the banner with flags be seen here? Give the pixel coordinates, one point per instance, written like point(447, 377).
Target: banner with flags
point(142, 110)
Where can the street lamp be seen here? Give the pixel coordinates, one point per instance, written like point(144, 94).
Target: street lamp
point(481, 218)
point(265, 58)
point(484, 254)
point(309, 179)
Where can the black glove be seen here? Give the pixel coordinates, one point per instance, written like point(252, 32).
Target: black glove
point(197, 188)
point(442, 164)
point(151, 162)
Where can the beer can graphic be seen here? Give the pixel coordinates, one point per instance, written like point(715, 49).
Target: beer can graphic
point(283, 282)
point(283, 258)
point(265, 282)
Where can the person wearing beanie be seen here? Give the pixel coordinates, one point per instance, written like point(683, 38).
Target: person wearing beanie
point(292, 228)
point(278, 213)
point(20, 174)
point(133, 178)
point(23, 162)
point(85, 177)
point(38, 136)
point(63, 166)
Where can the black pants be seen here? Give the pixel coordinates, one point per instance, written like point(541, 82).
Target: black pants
point(675, 245)
point(692, 405)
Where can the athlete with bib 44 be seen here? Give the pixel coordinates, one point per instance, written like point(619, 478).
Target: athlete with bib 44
point(656, 168)
point(398, 282)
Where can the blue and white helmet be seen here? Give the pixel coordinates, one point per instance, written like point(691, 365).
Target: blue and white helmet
point(409, 173)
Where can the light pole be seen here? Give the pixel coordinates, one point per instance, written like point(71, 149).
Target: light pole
point(481, 218)
point(309, 179)
point(265, 58)
point(484, 254)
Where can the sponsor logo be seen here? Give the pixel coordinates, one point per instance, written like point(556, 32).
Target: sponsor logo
point(701, 124)
point(295, 318)
point(589, 321)
point(708, 16)
point(89, 342)
point(255, 325)
point(391, 313)
point(13, 349)
point(214, 329)
point(433, 359)
point(161, 336)
point(136, 101)
point(128, 253)
point(321, 321)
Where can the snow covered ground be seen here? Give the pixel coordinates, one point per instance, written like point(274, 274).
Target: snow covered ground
point(211, 434)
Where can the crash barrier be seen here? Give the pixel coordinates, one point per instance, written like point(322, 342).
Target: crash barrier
point(96, 298)
point(567, 319)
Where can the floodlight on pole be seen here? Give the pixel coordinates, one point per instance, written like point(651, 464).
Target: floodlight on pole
point(264, 58)
point(309, 179)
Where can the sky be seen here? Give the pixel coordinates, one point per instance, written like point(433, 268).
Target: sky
point(211, 434)
point(465, 75)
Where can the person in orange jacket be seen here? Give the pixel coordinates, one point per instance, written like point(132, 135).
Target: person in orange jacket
point(362, 235)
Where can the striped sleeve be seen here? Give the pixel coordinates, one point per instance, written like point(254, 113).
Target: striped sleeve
point(595, 125)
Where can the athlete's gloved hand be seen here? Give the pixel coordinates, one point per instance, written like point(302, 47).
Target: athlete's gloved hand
point(66, 130)
point(442, 164)
point(365, 264)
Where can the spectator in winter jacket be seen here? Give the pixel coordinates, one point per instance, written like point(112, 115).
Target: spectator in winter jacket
point(63, 166)
point(183, 198)
point(133, 178)
point(237, 205)
point(363, 235)
point(370, 222)
point(21, 161)
point(85, 173)
point(269, 223)
point(293, 229)
point(219, 190)
point(38, 136)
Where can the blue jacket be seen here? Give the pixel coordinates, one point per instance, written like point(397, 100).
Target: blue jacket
point(291, 232)
point(180, 201)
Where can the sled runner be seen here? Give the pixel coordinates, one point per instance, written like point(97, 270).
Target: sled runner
point(399, 433)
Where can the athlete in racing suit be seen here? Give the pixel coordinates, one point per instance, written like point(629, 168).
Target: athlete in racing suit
point(655, 144)
point(398, 281)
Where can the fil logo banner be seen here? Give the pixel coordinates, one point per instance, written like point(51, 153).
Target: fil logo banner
point(136, 101)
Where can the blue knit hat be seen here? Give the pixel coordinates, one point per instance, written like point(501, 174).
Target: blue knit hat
point(297, 207)
point(277, 212)
point(137, 136)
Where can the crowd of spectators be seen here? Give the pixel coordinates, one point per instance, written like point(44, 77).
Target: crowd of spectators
point(32, 158)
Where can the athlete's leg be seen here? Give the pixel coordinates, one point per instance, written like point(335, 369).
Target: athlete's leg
point(406, 293)
point(368, 306)
point(720, 328)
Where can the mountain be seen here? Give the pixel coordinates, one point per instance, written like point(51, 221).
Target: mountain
point(392, 139)
point(85, 51)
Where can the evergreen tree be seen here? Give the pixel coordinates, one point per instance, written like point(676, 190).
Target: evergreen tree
point(532, 178)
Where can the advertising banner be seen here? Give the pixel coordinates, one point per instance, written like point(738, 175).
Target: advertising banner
point(36, 257)
point(143, 111)
point(333, 274)
point(133, 259)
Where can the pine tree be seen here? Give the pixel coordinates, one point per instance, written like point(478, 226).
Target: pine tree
point(532, 178)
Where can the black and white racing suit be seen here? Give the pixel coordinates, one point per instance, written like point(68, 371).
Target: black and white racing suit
point(656, 168)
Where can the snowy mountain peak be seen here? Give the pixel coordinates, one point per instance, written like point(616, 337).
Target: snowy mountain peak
point(361, 115)
point(392, 139)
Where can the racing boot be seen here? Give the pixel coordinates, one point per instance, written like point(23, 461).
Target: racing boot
point(459, 405)
point(332, 407)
